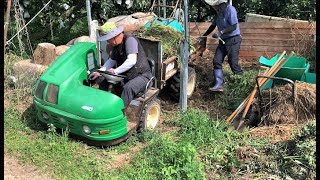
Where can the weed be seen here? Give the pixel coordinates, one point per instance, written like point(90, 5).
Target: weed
point(211, 137)
point(165, 158)
point(237, 87)
point(294, 158)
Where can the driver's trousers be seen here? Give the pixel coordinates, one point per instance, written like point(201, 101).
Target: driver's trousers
point(131, 88)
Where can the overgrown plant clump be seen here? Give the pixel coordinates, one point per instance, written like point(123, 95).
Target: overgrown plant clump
point(236, 87)
point(217, 145)
point(165, 158)
point(295, 158)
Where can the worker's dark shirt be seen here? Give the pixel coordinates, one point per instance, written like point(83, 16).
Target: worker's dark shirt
point(230, 18)
point(120, 54)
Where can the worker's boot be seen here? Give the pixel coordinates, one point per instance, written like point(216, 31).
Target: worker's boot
point(218, 76)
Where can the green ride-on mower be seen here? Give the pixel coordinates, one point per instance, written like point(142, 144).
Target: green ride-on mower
point(65, 97)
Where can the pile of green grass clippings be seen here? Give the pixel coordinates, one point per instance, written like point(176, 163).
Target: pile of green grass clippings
point(169, 37)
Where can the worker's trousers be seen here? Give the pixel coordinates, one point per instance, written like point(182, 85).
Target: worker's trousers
point(231, 50)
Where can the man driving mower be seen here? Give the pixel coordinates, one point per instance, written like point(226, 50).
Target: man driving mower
point(127, 58)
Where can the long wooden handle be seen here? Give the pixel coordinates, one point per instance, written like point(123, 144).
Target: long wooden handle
point(237, 111)
point(272, 71)
point(252, 95)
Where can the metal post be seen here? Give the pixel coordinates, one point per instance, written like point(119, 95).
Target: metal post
point(88, 8)
point(93, 32)
point(184, 65)
point(6, 24)
point(164, 9)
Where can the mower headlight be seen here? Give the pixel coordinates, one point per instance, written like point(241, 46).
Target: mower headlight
point(63, 121)
point(86, 129)
point(45, 115)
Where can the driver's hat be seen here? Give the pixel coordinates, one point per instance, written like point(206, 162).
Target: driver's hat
point(109, 30)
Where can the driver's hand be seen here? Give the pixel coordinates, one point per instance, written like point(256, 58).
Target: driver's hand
point(94, 75)
point(111, 71)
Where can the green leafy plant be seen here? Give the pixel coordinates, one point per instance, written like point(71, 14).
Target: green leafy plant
point(237, 87)
point(165, 158)
point(211, 137)
point(295, 158)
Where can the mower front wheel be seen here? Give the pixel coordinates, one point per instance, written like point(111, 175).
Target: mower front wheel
point(150, 115)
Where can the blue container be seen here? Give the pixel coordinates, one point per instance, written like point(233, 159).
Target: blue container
point(166, 22)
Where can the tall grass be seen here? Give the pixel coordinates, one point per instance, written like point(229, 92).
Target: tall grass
point(211, 137)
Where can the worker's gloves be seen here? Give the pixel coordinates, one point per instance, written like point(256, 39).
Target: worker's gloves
point(94, 75)
point(217, 34)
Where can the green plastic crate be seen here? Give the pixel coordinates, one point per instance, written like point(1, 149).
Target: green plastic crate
point(309, 78)
point(295, 68)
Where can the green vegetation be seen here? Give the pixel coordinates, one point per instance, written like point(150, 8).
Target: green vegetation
point(211, 137)
point(165, 158)
point(294, 158)
point(237, 87)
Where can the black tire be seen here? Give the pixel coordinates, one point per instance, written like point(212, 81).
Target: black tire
point(150, 116)
point(173, 84)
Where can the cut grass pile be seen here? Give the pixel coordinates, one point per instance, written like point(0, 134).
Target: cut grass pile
point(294, 158)
point(281, 106)
point(169, 37)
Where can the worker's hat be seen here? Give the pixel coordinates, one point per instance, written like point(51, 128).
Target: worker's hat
point(109, 30)
point(215, 2)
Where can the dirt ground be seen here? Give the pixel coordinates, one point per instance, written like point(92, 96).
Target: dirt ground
point(13, 169)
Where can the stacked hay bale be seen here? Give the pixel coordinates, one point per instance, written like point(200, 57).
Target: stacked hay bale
point(27, 71)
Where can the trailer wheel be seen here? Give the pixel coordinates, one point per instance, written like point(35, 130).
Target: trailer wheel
point(150, 115)
point(174, 84)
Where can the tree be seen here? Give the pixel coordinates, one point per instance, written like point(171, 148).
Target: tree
point(63, 20)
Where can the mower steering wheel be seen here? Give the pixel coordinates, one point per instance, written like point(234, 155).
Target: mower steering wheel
point(113, 78)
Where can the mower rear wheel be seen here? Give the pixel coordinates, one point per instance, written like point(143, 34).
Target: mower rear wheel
point(174, 84)
point(150, 115)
